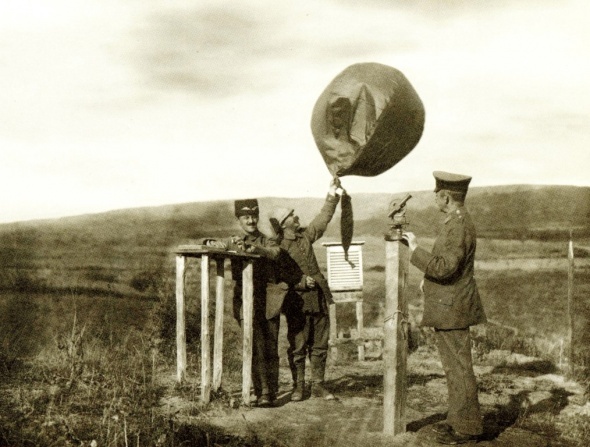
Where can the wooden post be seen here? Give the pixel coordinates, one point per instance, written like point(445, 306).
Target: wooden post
point(206, 254)
point(205, 339)
point(333, 332)
point(395, 333)
point(360, 329)
point(180, 320)
point(218, 334)
point(570, 303)
point(248, 310)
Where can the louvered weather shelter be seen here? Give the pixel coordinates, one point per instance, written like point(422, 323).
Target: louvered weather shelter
point(345, 278)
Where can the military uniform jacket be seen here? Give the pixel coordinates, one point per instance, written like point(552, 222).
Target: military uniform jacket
point(302, 262)
point(451, 297)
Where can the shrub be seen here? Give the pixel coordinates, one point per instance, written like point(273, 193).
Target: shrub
point(23, 333)
point(143, 281)
point(21, 280)
point(81, 389)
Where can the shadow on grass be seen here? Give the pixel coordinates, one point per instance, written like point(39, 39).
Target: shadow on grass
point(283, 398)
point(422, 379)
point(518, 408)
point(504, 416)
point(494, 423)
point(368, 386)
point(414, 426)
point(513, 413)
point(529, 369)
point(357, 385)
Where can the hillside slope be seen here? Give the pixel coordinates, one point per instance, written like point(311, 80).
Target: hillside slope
point(503, 212)
point(517, 208)
point(127, 247)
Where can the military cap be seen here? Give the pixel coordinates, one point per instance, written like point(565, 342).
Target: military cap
point(451, 182)
point(281, 214)
point(246, 207)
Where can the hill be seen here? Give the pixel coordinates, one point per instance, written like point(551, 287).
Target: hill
point(497, 210)
point(503, 212)
point(118, 252)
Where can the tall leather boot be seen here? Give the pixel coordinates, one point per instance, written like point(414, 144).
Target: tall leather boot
point(273, 380)
point(318, 370)
point(292, 366)
point(299, 388)
point(298, 391)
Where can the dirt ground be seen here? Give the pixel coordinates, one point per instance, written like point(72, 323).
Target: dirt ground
point(525, 403)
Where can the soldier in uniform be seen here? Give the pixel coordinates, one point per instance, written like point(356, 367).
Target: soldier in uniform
point(451, 305)
point(265, 357)
point(308, 297)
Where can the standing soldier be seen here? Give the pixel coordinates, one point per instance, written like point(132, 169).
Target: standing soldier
point(265, 357)
point(451, 305)
point(308, 298)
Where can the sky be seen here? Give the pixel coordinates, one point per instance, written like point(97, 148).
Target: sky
point(110, 104)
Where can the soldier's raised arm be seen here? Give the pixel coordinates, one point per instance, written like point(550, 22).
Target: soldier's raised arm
point(318, 225)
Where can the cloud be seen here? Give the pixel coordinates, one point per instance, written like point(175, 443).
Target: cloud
point(208, 50)
point(437, 9)
point(116, 104)
point(219, 50)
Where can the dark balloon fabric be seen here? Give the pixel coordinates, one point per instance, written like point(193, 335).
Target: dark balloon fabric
point(346, 223)
point(366, 120)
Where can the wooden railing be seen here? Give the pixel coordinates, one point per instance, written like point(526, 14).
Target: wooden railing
point(211, 377)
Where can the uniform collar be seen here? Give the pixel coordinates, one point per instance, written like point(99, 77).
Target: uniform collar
point(459, 212)
point(248, 236)
point(291, 235)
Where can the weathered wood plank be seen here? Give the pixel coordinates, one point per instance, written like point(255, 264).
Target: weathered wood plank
point(395, 345)
point(570, 305)
point(180, 320)
point(205, 339)
point(347, 297)
point(247, 309)
point(218, 334)
point(214, 252)
point(360, 327)
point(209, 380)
point(333, 332)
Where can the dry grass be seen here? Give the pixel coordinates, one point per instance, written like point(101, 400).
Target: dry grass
point(83, 361)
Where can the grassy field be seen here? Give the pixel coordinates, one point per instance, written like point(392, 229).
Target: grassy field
point(83, 361)
point(88, 324)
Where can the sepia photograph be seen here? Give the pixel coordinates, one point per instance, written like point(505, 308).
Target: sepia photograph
point(294, 224)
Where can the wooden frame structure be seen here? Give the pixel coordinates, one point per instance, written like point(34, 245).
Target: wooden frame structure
point(345, 278)
point(211, 379)
point(395, 335)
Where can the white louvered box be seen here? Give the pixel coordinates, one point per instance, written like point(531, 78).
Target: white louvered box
point(345, 278)
point(345, 275)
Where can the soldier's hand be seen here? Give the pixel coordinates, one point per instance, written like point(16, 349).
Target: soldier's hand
point(334, 185)
point(238, 242)
point(411, 238)
point(422, 285)
point(253, 249)
point(309, 282)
